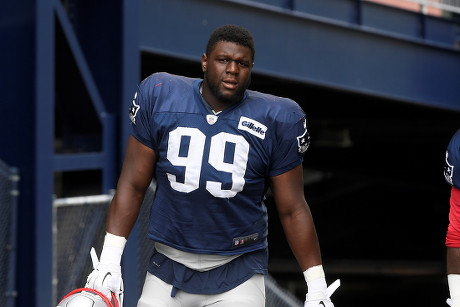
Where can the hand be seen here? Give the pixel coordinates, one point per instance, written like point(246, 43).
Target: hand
point(449, 302)
point(106, 278)
point(320, 298)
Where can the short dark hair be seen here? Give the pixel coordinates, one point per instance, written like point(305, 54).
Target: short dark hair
point(231, 33)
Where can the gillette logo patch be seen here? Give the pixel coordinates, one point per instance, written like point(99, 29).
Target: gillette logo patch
point(253, 127)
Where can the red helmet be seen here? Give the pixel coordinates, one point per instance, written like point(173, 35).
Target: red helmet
point(87, 297)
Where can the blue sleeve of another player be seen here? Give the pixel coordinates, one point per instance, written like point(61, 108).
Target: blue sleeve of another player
point(452, 165)
point(140, 114)
point(292, 142)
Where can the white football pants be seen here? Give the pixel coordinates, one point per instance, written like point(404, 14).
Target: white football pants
point(157, 293)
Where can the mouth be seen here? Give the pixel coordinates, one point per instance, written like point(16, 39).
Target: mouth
point(229, 84)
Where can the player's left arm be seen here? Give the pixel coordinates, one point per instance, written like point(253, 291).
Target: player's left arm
point(300, 231)
point(296, 218)
point(453, 275)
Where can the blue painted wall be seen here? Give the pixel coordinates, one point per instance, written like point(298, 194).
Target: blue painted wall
point(17, 121)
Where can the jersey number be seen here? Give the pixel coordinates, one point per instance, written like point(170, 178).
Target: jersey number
point(192, 162)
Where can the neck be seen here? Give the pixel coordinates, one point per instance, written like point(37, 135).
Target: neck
point(216, 105)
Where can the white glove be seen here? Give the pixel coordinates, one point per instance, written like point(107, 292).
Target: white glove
point(106, 276)
point(454, 289)
point(322, 298)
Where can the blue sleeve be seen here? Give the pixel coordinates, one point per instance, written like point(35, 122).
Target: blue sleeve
point(141, 113)
point(452, 164)
point(293, 140)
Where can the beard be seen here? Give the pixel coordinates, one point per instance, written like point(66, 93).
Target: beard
point(225, 99)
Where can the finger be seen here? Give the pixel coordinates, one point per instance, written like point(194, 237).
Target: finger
point(118, 299)
point(332, 287)
point(90, 280)
point(94, 258)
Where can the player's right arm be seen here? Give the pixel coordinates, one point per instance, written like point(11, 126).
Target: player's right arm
point(135, 178)
point(453, 248)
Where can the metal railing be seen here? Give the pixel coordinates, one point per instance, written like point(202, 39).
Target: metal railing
point(452, 6)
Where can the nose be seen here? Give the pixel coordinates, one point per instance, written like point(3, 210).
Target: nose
point(232, 67)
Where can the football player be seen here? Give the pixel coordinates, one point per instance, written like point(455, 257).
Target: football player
point(452, 175)
point(214, 148)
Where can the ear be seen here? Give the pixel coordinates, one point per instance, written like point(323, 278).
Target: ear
point(204, 62)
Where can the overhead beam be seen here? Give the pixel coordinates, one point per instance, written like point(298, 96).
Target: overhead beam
point(315, 50)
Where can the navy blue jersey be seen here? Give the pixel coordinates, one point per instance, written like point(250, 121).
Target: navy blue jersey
point(452, 166)
point(218, 280)
point(212, 170)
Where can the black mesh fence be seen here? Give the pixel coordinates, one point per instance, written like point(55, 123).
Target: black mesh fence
point(78, 225)
point(9, 194)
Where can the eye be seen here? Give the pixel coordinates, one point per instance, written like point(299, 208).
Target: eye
point(243, 64)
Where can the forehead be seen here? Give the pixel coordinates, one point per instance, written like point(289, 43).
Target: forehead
point(231, 49)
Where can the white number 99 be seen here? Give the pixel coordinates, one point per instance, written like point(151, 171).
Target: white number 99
point(193, 161)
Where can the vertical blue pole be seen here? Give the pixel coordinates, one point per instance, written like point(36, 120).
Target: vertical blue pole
point(44, 136)
point(109, 173)
point(288, 4)
point(359, 12)
point(422, 25)
point(130, 74)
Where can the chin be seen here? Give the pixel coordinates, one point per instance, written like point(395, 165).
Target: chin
point(231, 98)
